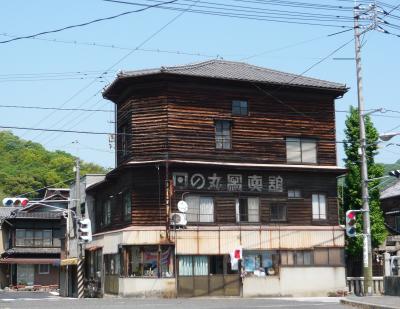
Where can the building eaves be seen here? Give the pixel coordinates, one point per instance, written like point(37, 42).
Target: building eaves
point(236, 71)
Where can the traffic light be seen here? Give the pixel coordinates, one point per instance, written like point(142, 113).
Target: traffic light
point(395, 173)
point(351, 223)
point(85, 230)
point(15, 201)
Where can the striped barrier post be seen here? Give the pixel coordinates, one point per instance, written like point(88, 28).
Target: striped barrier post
point(80, 278)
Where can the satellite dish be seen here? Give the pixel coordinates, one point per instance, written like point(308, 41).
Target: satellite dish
point(182, 206)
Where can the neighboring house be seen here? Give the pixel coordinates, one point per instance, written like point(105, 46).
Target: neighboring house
point(5, 213)
point(390, 205)
point(252, 151)
point(34, 236)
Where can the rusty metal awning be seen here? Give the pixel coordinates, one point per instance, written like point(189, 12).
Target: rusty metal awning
point(71, 261)
point(94, 248)
point(29, 261)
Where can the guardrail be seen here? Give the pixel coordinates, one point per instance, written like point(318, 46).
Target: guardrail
point(356, 285)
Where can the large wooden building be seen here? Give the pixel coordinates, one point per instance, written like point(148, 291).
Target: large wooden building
point(252, 152)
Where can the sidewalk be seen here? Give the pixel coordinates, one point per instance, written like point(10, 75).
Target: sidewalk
point(373, 302)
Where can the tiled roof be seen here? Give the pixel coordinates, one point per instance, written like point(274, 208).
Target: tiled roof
point(6, 211)
point(392, 191)
point(33, 250)
point(240, 71)
point(39, 215)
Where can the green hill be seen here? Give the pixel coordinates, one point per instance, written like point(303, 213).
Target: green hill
point(26, 166)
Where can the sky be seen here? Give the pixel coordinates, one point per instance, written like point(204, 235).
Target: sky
point(70, 68)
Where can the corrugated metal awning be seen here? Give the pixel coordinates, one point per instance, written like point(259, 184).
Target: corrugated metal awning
point(29, 261)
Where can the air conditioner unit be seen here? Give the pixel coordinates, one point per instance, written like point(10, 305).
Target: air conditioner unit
point(178, 219)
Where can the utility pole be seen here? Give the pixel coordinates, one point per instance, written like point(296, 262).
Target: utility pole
point(78, 217)
point(367, 250)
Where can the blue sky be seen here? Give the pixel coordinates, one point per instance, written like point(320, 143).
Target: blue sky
point(278, 45)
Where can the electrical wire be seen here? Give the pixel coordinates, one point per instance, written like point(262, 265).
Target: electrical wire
point(56, 108)
point(132, 51)
point(86, 23)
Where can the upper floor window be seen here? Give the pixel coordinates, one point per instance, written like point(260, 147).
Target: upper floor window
point(124, 141)
point(107, 212)
point(319, 206)
point(127, 204)
point(278, 212)
point(239, 108)
point(223, 134)
point(33, 238)
point(200, 208)
point(294, 193)
point(247, 209)
point(301, 150)
point(397, 220)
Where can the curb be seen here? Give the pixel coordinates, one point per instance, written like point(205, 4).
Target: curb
point(364, 305)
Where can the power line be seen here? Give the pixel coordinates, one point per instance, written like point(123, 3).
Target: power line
point(56, 108)
point(265, 17)
point(87, 23)
point(132, 51)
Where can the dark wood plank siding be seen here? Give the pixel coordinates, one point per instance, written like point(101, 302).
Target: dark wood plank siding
point(177, 118)
point(299, 210)
point(258, 137)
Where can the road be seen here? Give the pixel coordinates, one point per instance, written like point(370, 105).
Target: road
point(34, 300)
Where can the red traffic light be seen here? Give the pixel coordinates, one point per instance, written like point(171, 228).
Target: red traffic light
point(351, 214)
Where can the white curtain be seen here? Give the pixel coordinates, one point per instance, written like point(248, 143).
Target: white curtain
point(192, 214)
point(200, 265)
point(322, 206)
point(293, 150)
point(206, 209)
point(237, 210)
point(185, 266)
point(319, 206)
point(253, 209)
point(309, 151)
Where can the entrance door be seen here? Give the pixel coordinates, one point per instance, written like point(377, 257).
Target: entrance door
point(207, 276)
point(25, 274)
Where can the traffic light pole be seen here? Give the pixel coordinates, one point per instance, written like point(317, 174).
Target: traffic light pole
point(367, 250)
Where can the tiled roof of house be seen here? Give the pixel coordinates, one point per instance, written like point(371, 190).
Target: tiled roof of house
point(392, 191)
point(6, 211)
point(240, 71)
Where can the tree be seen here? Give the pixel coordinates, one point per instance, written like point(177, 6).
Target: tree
point(26, 166)
point(352, 183)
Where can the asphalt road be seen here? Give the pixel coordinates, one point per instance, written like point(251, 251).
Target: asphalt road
point(32, 300)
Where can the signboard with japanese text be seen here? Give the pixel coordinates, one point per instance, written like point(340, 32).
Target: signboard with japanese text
point(230, 182)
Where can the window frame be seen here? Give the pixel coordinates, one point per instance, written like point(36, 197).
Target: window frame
point(301, 140)
point(242, 111)
point(237, 209)
point(220, 138)
point(300, 193)
point(34, 241)
point(279, 205)
point(124, 140)
point(127, 214)
point(313, 216)
point(198, 214)
point(40, 272)
point(106, 212)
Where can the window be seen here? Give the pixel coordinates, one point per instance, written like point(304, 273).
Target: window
point(112, 264)
point(149, 261)
point(239, 108)
point(397, 221)
point(318, 207)
point(300, 258)
point(107, 212)
point(223, 134)
point(124, 141)
point(247, 209)
point(44, 269)
point(127, 204)
point(34, 238)
point(294, 193)
point(301, 150)
point(261, 263)
point(329, 256)
point(200, 208)
point(278, 212)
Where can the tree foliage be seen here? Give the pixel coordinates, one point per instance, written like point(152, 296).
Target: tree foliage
point(26, 166)
point(352, 184)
